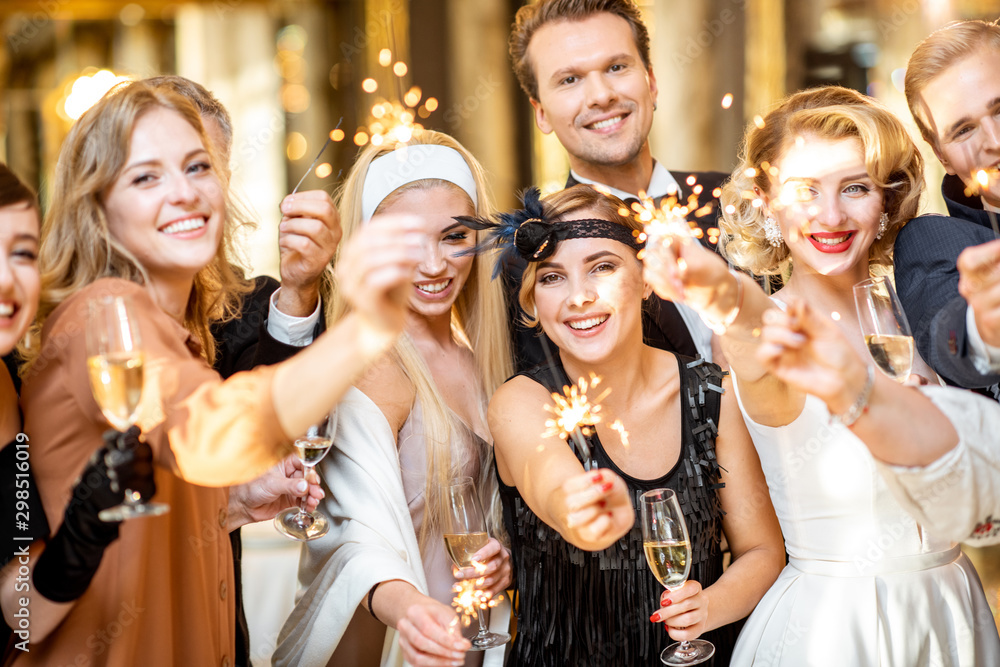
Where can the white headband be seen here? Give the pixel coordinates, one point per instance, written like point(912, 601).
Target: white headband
point(407, 164)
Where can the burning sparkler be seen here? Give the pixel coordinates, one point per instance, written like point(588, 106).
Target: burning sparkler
point(469, 600)
point(983, 178)
point(575, 415)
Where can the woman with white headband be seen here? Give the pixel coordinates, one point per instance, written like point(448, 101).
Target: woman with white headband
point(416, 422)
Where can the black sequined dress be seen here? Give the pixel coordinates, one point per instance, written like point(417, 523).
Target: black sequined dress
point(591, 609)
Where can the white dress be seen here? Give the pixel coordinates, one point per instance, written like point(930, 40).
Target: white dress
point(865, 586)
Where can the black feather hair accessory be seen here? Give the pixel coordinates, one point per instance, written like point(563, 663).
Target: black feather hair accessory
point(528, 234)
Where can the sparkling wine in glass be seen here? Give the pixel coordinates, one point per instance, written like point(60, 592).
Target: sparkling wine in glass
point(464, 534)
point(295, 522)
point(884, 326)
point(114, 365)
point(668, 553)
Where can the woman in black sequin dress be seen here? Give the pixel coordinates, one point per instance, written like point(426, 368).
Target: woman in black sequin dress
point(584, 589)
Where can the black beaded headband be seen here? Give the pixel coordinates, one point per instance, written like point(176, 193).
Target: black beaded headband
point(527, 233)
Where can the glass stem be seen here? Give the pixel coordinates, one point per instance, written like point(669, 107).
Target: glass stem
point(482, 621)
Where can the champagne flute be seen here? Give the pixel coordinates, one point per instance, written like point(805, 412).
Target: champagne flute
point(465, 534)
point(884, 325)
point(295, 522)
point(668, 553)
point(114, 365)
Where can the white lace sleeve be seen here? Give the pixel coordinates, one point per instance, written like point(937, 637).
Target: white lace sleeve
point(957, 497)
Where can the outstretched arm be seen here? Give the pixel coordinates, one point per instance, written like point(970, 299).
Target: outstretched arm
point(589, 509)
point(806, 350)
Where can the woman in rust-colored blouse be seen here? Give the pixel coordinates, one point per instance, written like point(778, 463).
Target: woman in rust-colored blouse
point(140, 210)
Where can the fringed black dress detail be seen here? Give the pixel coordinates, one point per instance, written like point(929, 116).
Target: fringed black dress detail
point(591, 609)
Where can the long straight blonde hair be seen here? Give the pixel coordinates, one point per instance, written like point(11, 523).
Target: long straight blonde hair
point(77, 247)
point(479, 320)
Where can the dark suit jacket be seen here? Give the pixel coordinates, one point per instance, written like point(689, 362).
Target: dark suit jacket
point(927, 281)
point(244, 343)
point(662, 325)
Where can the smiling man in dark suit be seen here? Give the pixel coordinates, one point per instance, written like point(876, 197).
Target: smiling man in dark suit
point(585, 66)
point(947, 278)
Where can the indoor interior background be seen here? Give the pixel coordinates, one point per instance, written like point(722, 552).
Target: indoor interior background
point(291, 70)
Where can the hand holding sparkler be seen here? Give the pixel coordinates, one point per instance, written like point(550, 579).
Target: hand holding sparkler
point(808, 351)
point(429, 631)
point(308, 235)
point(595, 509)
point(979, 283)
point(374, 272)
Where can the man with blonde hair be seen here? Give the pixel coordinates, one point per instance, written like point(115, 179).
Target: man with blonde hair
point(947, 268)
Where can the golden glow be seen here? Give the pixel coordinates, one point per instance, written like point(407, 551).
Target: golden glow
point(361, 138)
point(431, 104)
point(87, 90)
point(369, 85)
point(324, 170)
point(337, 135)
point(400, 68)
point(296, 146)
point(384, 57)
point(727, 100)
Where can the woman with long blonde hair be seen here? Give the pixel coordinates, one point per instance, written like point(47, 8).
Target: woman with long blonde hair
point(140, 212)
point(424, 406)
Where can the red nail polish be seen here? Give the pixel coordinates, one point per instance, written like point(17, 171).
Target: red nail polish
point(597, 477)
point(607, 486)
point(666, 627)
point(602, 503)
point(655, 618)
point(666, 603)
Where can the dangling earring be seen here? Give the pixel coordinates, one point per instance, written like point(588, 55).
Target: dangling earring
point(772, 232)
point(883, 224)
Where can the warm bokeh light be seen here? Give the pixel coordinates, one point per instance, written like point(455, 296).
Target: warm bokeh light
point(361, 138)
point(88, 89)
point(337, 135)
point(296, 146)
point(369, 85)
point(324, 170)
point(431, 104)
point(384, 57)
point(295, 97)
point(727, 100)
point(400, 68)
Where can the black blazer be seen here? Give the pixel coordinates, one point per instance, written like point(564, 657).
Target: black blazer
point(925, 254)
point(662, 325)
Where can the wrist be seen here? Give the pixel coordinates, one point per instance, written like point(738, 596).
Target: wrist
point(852, 402)
point(297, 301)
point(726, 303)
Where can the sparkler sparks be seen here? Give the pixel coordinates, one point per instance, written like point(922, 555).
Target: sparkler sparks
point(667, 221)
point(470, 600)
point(575, 415)
point(617, 426)
point(393, 119)
point(983, 178)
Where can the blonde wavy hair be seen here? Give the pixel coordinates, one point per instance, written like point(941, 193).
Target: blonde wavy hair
point(561, 206)
point(831, 112)
point(77, 247)
point(939, 51)
point(478, 319)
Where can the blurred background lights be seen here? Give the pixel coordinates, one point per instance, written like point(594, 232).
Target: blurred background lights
point(87, 90)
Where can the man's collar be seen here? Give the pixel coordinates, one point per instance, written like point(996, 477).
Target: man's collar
point(660, 184)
